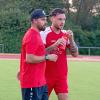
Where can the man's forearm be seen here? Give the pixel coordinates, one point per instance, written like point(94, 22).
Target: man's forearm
point(50, 48)
point(30, 58)
point(73, 48)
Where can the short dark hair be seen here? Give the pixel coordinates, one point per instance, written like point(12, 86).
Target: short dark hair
point(56, 11)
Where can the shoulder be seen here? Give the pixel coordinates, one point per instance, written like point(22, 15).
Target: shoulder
point(29, 36)
point(45, 33)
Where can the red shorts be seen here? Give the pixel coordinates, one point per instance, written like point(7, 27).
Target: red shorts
point(59, 85)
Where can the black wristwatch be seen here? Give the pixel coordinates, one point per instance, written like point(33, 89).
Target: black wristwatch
point(46, 57)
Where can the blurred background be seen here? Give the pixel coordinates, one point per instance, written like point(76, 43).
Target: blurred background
point(83, 18)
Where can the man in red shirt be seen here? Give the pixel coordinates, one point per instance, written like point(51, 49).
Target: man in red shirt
point(32, 62)
point(57, 41)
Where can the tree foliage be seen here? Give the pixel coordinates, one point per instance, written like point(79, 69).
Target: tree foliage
point(83, 17)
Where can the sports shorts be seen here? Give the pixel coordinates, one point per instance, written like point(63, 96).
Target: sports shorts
point(59, 85)
point(37, 93)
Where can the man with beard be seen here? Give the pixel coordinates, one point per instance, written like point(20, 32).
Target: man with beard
point(32, 61)
point(57, 41)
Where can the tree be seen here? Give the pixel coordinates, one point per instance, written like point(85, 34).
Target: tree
point(15, 19)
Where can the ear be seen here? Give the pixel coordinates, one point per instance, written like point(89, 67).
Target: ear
point(34, 21)
point(51, 19)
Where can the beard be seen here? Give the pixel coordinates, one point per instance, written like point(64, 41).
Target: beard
point(42, 28)
point(58, 27)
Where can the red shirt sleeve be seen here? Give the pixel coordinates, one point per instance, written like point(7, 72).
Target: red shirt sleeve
point(32, 45)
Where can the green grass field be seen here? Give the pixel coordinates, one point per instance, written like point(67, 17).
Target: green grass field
point(84, 81)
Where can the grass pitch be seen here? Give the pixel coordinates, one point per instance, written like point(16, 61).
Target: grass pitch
point(84, 81)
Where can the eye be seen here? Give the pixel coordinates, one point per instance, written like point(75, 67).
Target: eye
point(61, 19)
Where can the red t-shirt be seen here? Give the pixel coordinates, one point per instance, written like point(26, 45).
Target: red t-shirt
point(32, 75)
point(57, 69)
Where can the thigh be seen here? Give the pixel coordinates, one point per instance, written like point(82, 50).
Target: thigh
point(61, 86)
point(45, 93)
point(31, 93)
point(26, 93)
point(50, 84)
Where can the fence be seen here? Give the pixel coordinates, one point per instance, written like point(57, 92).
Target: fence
point(89, 49)
point(1, 48)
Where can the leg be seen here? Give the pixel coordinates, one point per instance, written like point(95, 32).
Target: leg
point(50, 84)
point(32, 93)
point(61, 89)
point(25, 93)
point(45, 93)
point(62, 96)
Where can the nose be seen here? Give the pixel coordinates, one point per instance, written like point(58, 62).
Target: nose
point(63, 21)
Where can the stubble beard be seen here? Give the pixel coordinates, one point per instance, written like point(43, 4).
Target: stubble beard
point(42, 28)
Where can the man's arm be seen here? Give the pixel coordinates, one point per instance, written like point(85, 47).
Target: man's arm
point(73, 47)
point(30, 58)
point(58, 42)
point(50, 48)
point(18, 75)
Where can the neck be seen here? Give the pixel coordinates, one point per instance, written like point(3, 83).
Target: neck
point(35, 27)
point(56, 30)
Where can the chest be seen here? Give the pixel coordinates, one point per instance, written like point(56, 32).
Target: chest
point(52, 38)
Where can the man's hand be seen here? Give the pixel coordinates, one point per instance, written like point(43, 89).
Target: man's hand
point(73, 46)
point(18, 75)
point(60, 41)
point(69, 33)
point(52, 57)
